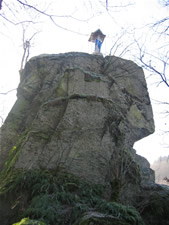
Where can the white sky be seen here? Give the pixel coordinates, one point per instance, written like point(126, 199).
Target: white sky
point(52, 39)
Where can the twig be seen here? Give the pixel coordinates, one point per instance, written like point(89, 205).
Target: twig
point(5, 93)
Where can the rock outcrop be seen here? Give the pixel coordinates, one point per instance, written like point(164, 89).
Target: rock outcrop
point(81, 114)
point(75, 110)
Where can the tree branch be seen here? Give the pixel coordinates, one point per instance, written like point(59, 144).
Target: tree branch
point(2, 120)
point(1, 4)
point(5, 93)
point(148, 65)
point(50, 16)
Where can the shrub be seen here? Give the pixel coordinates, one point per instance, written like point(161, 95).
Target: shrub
point(61, 198)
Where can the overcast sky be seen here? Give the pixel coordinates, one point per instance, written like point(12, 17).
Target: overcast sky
point(123, 23)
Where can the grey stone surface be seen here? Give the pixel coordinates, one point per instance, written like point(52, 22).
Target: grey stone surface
point(81, 113)
point(148, 175)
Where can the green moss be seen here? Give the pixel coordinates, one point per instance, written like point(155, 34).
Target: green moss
point(62, 86)
point(135, 117)
point(27, 221)
point(14, 153)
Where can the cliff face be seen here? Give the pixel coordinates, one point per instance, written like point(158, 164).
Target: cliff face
point(81, 114)
point(78, 112)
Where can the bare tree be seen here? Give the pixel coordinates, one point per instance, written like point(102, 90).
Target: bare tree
point(157, 65)
point(9, 13)
point(26, 48)
point(1, 4)
point(119, 46)
point(157, 61)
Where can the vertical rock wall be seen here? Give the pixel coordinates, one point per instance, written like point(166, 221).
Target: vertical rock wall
point(80, 113)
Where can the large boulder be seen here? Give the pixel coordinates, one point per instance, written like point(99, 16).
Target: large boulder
point(79, 113)
point(77, 116)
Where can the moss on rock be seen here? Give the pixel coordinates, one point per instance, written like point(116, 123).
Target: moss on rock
point(27, 221)
point(14, 153)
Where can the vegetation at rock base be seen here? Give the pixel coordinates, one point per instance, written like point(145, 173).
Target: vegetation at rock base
point(60, 198)
point(155, 208)
point(27, 221)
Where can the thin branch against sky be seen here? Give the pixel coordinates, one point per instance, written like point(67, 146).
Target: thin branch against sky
point(7, 92)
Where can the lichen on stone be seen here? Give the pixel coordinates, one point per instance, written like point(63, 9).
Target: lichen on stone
point(27, 221)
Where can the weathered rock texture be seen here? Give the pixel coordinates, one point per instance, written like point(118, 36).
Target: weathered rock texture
point(81, 113)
